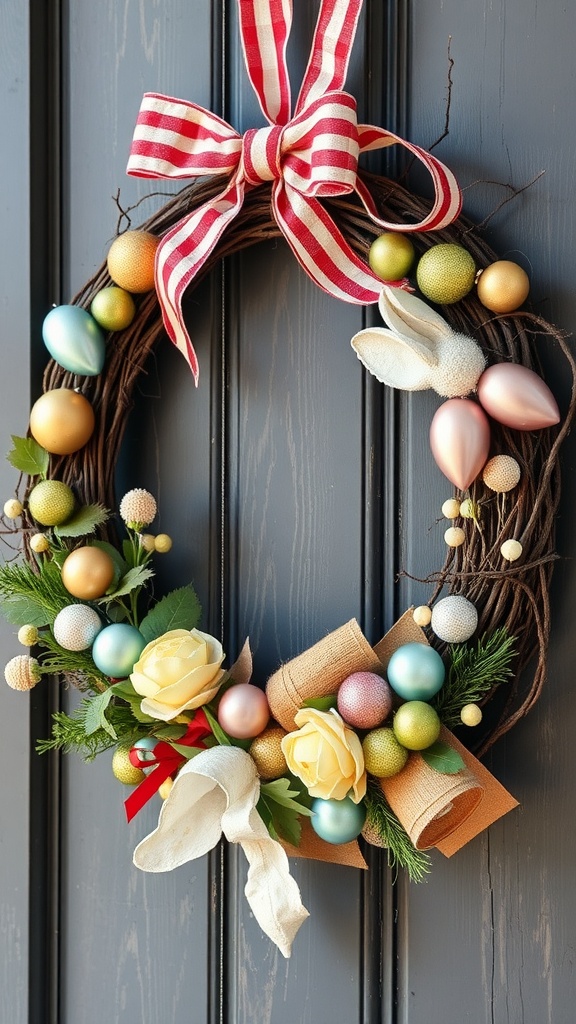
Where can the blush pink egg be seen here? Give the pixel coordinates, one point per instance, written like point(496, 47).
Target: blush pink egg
point(364, 700)
point(243, 711)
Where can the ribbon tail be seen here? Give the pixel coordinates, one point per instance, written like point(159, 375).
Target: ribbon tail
point(447, 194)
point(321, 249)
point(272, 893)
point(181, 255)
point(264, 30)
point(331, 49)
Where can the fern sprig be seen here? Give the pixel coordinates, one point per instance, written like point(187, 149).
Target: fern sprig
point(401, 852)
point(474, 671)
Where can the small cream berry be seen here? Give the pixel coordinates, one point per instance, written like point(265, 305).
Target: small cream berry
point(454, 536)
point(511, 550)
point(27, 635)
point(451, 508)
point(148, 541)
point(422, 615)
point(39, 542)
point(22, 672)
point(13, 508)
point(165, 788)
point(138, 508)
point(471, 714)
point(163, 543)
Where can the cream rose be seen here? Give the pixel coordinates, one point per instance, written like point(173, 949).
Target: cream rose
point(326, 755)
point(178, 672)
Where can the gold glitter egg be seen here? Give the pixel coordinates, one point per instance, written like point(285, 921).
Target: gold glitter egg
point(266, 752)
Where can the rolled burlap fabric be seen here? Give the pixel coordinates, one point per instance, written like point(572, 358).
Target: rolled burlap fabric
point(319, 671)
point(429, 804)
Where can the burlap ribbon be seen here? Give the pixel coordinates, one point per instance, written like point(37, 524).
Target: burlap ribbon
point(436, 809)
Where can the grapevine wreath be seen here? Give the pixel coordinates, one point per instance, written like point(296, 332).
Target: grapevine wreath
point(348, 738)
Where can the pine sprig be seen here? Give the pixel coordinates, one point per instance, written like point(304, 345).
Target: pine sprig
point(69, 731)
point(473, 672)
point(401, 852)
point(59, 661)
point(39, 595)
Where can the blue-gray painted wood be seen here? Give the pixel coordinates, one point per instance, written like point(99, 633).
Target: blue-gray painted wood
point(260, 475)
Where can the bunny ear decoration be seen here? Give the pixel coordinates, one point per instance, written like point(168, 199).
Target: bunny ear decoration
point(420, 351)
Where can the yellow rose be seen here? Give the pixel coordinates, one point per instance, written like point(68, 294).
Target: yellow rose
point(178, 672)
point(326, 755)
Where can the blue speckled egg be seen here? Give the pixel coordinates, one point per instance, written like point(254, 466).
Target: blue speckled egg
point(117, 648)
point(415, 671)
point(337, 821)
point(74, 340)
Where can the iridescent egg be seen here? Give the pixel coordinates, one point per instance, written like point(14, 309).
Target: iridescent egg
point(74, 340)
point(337, 821)
point(415, 671)
point(117, 648)
point(364, 700)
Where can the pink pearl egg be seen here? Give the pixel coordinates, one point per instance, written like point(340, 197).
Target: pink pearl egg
point(364, 700)
point(243, 711)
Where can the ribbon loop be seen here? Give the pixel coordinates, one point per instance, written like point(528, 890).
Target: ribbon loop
point(309, 156)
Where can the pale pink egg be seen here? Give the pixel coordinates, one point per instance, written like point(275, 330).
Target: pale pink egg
point(364, 700)
point(243, 711)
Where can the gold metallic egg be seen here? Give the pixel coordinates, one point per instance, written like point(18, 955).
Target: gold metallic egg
point(88, 572)
point(503, 286)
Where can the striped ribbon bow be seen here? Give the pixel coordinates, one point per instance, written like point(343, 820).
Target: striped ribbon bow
point(307, 156)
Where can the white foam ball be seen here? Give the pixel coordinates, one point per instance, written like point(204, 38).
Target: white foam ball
point(76, 627)
point(454, 619)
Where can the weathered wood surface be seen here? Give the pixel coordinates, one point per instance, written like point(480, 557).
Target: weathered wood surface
point(262, 477)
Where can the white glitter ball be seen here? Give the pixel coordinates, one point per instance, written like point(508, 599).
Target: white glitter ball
point(454, 619)
point(76, 627)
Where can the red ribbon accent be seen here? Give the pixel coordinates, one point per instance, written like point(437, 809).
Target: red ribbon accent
point(164, 761)
point(310, 155)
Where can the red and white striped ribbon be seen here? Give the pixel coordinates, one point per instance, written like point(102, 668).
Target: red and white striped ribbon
point(310, 155)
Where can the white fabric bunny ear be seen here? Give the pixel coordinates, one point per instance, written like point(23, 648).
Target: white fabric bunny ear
point(420, 350)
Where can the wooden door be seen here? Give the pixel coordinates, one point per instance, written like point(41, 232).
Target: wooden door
point(295, 490)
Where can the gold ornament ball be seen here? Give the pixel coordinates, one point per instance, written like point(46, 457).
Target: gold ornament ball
point(131, 260)
point(391, 255)
point(511, 550)
point(87, 573)
point(454, 536)
point(451, 508)
point(166, 787)
point(62, 421)
point(501, 473)
point(122, 767)
point(266, 752)
point(39, 542)
point(13, 508)
point(503, 286)
point(162, 543)
point(113, 308)
point(422, 615)
point(471, 714)
point(446, 273)
point(51, 502)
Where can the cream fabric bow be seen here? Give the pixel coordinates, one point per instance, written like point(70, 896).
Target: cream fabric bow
point(217, 792)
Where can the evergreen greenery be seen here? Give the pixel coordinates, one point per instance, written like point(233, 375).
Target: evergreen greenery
point(474, 671)
point(401, 852)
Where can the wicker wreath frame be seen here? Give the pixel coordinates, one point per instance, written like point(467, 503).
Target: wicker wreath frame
point(514, 595)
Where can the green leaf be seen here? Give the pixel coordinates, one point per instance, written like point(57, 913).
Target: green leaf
point(322, 703)
point(24, 611)
point(83, 522)
point(281, 809)
point(125, 690)
point(128, 582)
point(28, 456)
point(178, 610)
point(170, 732)
point(115, 555)
point(443, 758)
point(223, 738)
point(95, 717)
point(187, 752)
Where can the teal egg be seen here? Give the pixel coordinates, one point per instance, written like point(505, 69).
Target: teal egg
point(117, 648)
point(74, 340)
point(337, 821)
point(416, 671)
point(145, 748)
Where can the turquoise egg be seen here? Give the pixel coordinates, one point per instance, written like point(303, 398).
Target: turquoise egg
point(117, 648)
point(337, 821)
point(74, 340)
point(145, 747)
point(415, 671)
